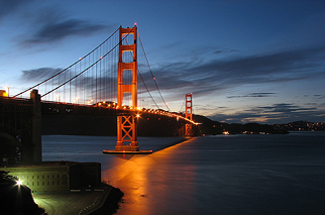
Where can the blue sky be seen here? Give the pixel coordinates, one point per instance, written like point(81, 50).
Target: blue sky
point(244, 61)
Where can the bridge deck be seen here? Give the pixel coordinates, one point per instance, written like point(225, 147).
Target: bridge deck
point(127, 152)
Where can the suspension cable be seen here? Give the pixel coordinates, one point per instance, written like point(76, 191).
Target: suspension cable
point(144, 83)
point(101, 58)
point(142, 77)
point(68, 66)
point(153, 77)
point(180, 110)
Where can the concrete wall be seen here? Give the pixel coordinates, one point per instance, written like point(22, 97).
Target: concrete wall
point(57, 176)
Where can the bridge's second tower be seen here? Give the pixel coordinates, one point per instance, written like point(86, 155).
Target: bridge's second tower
point(126, 124)
point(188, 115)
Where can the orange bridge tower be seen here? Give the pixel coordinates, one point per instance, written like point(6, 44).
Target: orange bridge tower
point(127, 142)
point(126, 124)
point(188, 115)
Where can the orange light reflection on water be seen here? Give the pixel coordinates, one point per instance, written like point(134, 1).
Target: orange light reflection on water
point(148, 180)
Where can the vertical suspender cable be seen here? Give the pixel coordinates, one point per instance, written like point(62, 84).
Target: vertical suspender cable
point(153, 77)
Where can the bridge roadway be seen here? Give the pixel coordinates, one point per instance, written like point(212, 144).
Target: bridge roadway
point(49, 108)
point(27, 119)
point(70, 119)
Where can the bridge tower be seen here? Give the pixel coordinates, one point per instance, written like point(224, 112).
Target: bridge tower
point(188, 115)
point(126, 124)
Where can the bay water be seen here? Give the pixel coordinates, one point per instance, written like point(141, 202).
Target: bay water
point(233, 174)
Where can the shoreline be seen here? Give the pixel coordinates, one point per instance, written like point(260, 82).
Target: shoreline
point(103, 200)
point(95, 201)
point(111, 204)
point(115, 196)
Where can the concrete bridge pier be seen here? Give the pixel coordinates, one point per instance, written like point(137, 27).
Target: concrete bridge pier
point(36, 136)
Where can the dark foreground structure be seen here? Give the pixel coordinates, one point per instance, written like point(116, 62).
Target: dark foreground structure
point(16, 198)
point(111, 204)
point(57, 176)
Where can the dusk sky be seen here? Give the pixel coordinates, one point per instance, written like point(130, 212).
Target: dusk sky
point(244, 61)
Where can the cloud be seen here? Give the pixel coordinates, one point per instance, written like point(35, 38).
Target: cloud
point(254, 95)
point(284, 108)
point(219, 74)
point(319, 97)
point(276, 113)
point(84, 83)
point(9, 7)
point(38, 75)
point(219, 51)
point(51, 31)
point(46, 24)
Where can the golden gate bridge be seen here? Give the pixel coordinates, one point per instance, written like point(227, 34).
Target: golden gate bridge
point(92, 78)
point(107, 77)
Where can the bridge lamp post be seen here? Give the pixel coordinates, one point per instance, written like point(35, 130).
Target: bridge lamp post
point(58, 97)
point(76, 100)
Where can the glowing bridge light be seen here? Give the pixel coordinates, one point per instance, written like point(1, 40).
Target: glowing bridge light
point(138, 115)
point(4, 94)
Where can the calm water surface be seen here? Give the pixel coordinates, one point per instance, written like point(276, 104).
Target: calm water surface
point(241, 174)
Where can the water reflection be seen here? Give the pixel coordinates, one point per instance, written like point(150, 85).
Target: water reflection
point(150, 182)
point(240, 174)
